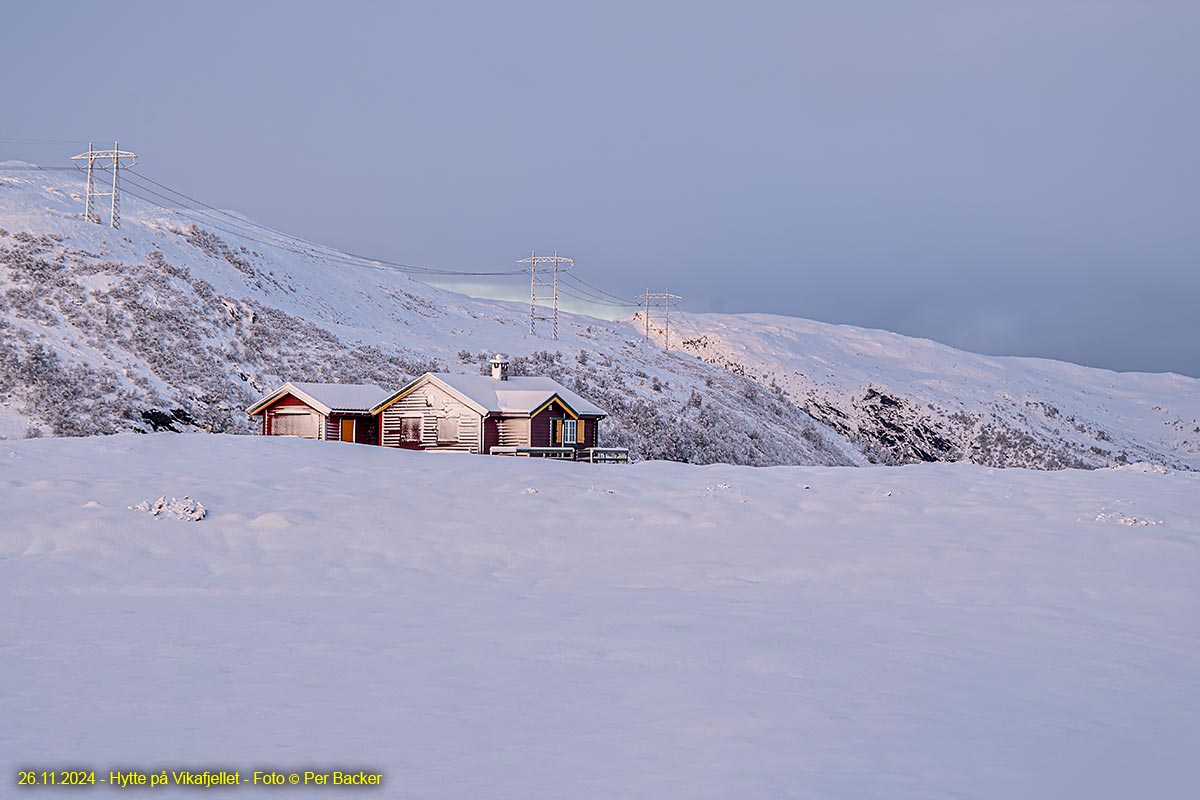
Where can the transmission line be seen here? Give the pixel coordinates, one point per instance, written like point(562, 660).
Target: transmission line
point(615, 298)
point(36, 168)
point(585, 299)
point(334, 254)
point(593, 296)
point(218, 219)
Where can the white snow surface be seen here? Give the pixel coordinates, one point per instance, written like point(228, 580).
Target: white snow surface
point(509, 628)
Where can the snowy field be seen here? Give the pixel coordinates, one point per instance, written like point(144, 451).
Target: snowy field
point(500, 628)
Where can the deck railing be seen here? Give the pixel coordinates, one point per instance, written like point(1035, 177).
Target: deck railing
point(604, 455)
point(593, 455)
point(566, 453)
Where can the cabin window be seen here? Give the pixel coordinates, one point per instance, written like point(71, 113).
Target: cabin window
point(410, 429)
point(447, 429)
point(569, 431)
point(296, 423)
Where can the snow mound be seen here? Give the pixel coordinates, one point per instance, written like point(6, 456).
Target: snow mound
point(1144, 466)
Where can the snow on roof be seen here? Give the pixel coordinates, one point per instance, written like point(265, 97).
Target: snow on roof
point(329, 398)
point(519, 395)
point(356, 397)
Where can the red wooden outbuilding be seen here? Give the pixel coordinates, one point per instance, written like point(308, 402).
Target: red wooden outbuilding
point(330, 411)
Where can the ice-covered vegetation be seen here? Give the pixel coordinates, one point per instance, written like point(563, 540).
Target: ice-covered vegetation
point(169, 324)
point(905, 400)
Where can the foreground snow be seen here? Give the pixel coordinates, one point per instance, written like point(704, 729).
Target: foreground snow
point(484, 627)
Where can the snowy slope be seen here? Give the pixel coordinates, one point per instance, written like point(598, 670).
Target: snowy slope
point(170, 323)
point(937, 630)
point(906, 399)
point(180, 322)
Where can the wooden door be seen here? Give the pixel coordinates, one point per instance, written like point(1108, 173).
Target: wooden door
point(347, 429)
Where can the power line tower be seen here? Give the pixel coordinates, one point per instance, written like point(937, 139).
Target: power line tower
point(543, 287)
point(116, 160)
point(652, 303)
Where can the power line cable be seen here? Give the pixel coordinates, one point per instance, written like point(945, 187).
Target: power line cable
point(336, 254)
point(582, 299)
point(584, 291)
point(351, 259)
point(618, 298)
point(359, 262)
point(249, 227)
point(595, 297)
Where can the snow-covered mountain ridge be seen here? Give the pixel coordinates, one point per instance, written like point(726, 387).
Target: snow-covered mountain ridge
point(908, 399)
point(179, 321)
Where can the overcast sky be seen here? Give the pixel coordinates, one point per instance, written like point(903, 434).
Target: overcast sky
point(1007, 177)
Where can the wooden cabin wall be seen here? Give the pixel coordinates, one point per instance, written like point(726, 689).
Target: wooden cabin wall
point(513, 432)
point(366, 428)
point(430, 404)
point(290, 403)
point(491, 433)
point(542, 428)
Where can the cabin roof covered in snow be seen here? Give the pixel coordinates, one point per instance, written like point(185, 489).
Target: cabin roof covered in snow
point(328, 398)
point(517, 395)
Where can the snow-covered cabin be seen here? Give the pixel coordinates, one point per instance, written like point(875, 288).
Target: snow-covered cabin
point(474, 413)
point(332, 411)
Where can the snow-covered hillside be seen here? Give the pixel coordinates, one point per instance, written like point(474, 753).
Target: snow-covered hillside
point(936, 630)
point(177, 321)
point(170, 322)
point(904, 399)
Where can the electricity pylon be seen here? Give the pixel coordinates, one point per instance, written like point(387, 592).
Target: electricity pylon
point(658, 300)
point(543, 287)
point(119, 159)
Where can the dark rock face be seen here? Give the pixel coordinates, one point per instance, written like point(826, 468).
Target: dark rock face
point(898, 428)
point(893, 430)
point(890, 429)
point(174, 420)
point(894, 424)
